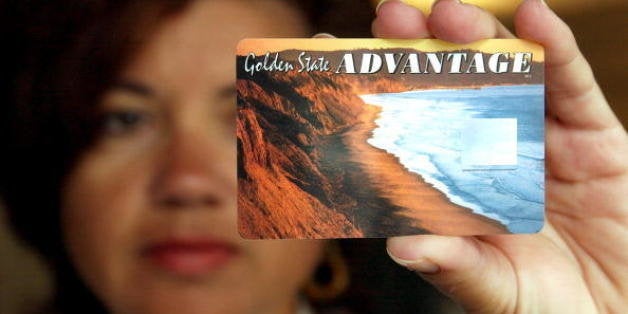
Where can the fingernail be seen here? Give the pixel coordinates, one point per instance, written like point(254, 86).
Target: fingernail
point(421, 265)
point(323, 35)
point(437, 1)
point(424, 266)
point(379, 4)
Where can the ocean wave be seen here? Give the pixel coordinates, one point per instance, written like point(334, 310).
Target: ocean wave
point(423, 129)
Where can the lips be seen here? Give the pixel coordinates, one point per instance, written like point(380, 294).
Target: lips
point(190, 257)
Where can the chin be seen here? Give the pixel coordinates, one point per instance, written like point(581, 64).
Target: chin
point(188, 301)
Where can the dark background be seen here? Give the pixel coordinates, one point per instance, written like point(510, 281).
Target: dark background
point(601, 28)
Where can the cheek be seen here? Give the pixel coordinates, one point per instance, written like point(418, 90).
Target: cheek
point(102, 209)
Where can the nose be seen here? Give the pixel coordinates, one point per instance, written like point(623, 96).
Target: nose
point(197, 170)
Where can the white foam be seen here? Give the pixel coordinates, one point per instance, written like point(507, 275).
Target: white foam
point(416, 130)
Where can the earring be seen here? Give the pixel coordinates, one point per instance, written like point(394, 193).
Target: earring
point(331, 277)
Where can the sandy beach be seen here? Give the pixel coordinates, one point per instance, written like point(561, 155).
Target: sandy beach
point(415, 201)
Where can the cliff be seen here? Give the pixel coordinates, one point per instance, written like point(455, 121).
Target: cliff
point(282, 191)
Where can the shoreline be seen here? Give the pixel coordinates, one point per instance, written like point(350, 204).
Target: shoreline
point(423, 205)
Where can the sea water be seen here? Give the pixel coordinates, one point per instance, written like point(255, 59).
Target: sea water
point(425, 130)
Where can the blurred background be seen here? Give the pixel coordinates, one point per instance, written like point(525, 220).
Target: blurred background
point(601, 28)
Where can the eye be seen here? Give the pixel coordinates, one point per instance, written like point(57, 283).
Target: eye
point(122, 122)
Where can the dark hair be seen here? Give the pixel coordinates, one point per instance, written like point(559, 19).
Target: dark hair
point(62, 55)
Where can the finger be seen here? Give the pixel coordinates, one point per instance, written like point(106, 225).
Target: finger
point(456, 22)
point(592, 154)
point(396, 19)
point(471, 272)
point(574, 98)
point(323, 35)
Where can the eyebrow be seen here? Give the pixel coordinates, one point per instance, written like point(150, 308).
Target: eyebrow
point(134, 87)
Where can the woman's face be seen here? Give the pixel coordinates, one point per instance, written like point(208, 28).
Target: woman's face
point(149, 213)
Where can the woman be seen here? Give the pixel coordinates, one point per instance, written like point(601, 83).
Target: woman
point(146, 196)
point(144, 180)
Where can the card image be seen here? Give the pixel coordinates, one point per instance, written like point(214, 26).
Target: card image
point(352, 138)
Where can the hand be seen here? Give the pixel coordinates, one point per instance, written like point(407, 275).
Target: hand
point(578, 263)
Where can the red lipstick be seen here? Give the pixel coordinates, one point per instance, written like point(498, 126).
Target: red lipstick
point(190, 257)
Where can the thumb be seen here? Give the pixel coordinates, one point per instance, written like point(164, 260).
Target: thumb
point(473, 273)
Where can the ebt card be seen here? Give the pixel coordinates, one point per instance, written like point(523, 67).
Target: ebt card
point(351, 138)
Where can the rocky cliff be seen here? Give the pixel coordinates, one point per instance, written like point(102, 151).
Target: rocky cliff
point(282, 191)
